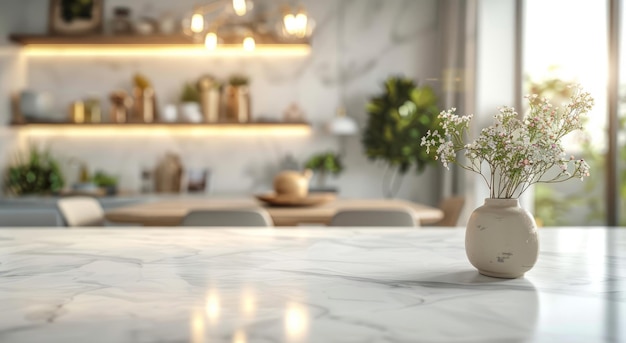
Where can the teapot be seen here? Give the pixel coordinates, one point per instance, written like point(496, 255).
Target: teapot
point(292, 183)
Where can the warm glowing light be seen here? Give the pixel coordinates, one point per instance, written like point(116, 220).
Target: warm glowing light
point(273, 50)
point(197, 327)
point(210, 41)
point(212, 307)
point(197, 23)
point(240, 7)
point(296, 321)
point(239, 337)
point(159, 130)
point(249, 44)
point(296, 25)
point(290, 23)
point(248, 303)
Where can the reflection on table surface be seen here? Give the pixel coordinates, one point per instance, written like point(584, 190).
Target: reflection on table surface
point(303, 285)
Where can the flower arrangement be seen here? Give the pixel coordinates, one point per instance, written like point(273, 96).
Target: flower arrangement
point(515, 153)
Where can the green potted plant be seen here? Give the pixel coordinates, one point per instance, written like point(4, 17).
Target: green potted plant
point(397, 118)
point(190, 103)
point(106, 181)
point(39, 173)
point(323, 164)
point(237, 99)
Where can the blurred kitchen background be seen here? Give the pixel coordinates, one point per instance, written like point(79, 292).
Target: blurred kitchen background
point(474, 54)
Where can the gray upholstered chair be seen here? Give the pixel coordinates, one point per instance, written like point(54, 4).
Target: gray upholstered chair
point(369, 217)
point(23, 217)
point(81, 211)
point(228, 217)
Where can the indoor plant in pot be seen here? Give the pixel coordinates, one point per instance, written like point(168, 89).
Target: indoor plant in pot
point(190, 103)
point(38, 173)
point(237, 99)
point(511, 155)
point(105, 181)
point(323, 164)
point(397, 118)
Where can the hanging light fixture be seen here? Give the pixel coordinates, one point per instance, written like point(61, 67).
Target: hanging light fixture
point(218, 22)
point(197, 23)
point(296, 22)
point(240, 7)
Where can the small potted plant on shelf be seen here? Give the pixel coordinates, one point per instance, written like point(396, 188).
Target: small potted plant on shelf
point(190, 103)
point(323, 164)
point(39, 173)
point(237, 99)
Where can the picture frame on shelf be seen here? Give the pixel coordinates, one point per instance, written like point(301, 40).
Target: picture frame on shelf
point(75, 17)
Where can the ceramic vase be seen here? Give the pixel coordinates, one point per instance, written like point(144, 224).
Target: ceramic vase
point(501, 239)
point(190, 112)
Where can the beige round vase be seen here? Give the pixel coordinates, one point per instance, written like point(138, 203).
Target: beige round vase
point(501, 239)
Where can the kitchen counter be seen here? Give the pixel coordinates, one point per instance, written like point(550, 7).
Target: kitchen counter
point(303, 285)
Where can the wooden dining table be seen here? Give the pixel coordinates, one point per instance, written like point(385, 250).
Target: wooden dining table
point(170, 212)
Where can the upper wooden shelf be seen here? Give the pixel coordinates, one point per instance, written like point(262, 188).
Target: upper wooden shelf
point(54, 45)
point(130, 40)
point(27, 40)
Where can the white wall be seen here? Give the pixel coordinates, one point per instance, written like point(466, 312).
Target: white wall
point(495, 75)
point(12, 76)
point(380, 38)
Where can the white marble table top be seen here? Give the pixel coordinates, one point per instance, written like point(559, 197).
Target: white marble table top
point(303, 285)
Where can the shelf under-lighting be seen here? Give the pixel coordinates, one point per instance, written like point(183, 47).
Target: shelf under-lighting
point(154, 46)
point(156, 51)
point(165, 129)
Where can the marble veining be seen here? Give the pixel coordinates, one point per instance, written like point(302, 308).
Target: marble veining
point(303, 285)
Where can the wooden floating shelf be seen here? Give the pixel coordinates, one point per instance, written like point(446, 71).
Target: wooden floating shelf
point(33, 39)
point(51, 45)
point(193, 129)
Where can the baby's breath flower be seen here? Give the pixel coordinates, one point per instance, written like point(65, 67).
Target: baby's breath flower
point(519, 152)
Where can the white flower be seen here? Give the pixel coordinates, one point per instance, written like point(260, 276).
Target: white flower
point(520, 152)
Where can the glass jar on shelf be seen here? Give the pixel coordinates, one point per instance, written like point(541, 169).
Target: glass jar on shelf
point(121, 23)
point(92, 110)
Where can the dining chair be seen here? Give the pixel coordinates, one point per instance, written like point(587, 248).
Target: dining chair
point(451, 207)
point(30, 218)
point(81, 211)
point(368, 217)
point(228, 217)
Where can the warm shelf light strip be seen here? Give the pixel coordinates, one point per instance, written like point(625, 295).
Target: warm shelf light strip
point(164, 130)
point(275, 50)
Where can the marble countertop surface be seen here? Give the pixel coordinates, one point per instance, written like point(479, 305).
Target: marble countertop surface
point(303, 285)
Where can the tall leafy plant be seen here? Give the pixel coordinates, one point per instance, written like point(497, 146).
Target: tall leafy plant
point(397, 119)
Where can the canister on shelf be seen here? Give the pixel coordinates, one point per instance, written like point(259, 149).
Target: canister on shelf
point(209, 98)
point(121, 23)
point(144, 109)
point(77, 112)
point(120, 105)
point(168, 174)
point(237, 100)
point(93, 112)
point(144, 106)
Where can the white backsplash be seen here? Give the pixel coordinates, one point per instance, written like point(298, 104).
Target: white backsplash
point(379, 39)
